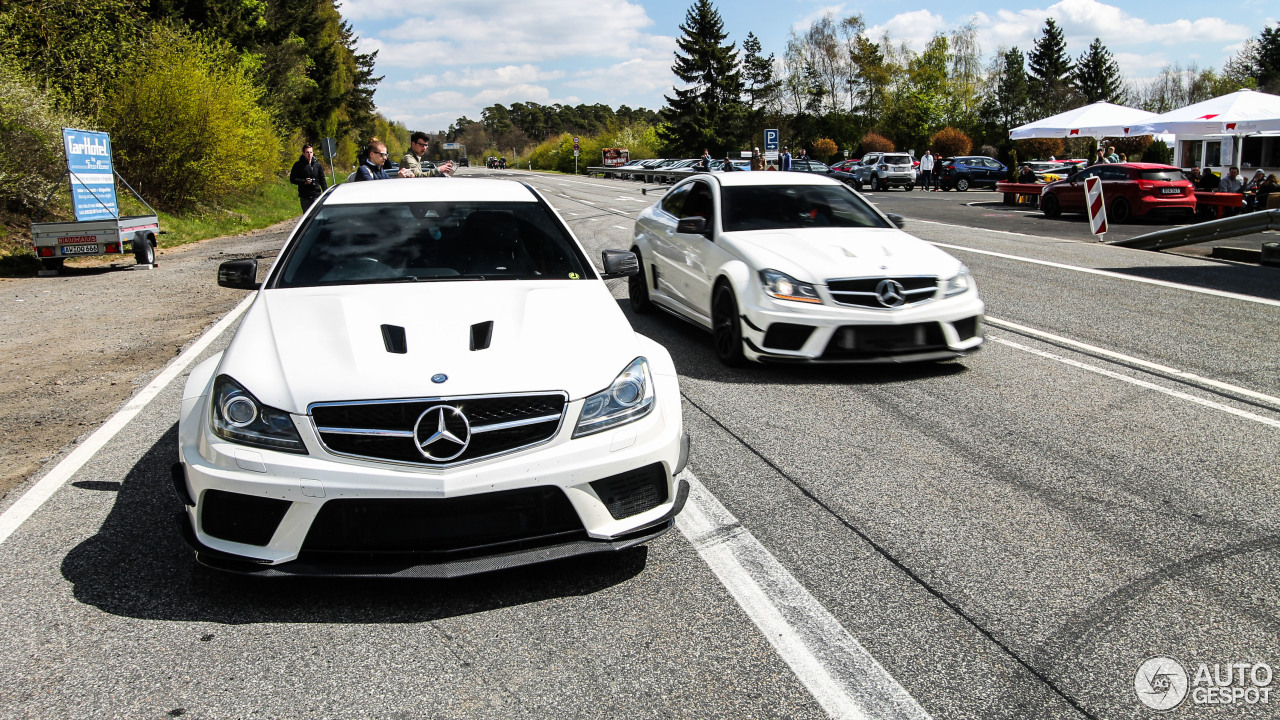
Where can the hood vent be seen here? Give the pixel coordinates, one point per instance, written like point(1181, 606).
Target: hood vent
point(481, 335)
point(393, 338)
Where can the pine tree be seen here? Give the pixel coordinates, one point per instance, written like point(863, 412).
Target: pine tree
point(1051, 69)
point(757, 71)
point(1013, 92)
point(1267, 60)
point(708, 113)
point(1097, 76)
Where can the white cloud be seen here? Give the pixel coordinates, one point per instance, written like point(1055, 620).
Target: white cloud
point(915, 27)
point(481, 77)
point(805, 22)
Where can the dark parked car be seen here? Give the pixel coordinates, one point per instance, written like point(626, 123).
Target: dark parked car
point(813, 166)
point(1129, 189)
point(964, 172)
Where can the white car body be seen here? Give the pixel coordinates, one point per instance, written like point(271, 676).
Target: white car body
point(681, 273)
point(322, 352)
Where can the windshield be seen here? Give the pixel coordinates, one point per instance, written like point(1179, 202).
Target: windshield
point(1170, 175)
point(409, 242)
point(778, 207)
point(896, 159)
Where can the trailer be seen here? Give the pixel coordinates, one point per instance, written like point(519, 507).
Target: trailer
point(99, 228)
point(54, 242)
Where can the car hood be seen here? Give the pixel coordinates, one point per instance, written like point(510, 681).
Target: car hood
point(303, 345)
point(818, 254)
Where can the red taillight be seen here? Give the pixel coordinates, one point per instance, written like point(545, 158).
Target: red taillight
point(44, 252)
point(948, 167)
point(113, 248)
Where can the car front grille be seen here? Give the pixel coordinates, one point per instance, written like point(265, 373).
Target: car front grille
point(384, 430)
point(870, 341)
point(867, 292)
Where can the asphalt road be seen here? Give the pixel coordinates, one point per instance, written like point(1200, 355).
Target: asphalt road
point(1007, 536)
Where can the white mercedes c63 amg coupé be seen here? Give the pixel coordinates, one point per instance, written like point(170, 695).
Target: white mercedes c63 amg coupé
point(432, 381)
point(794, 267)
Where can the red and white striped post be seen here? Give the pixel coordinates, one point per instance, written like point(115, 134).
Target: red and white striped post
point(1097, 206)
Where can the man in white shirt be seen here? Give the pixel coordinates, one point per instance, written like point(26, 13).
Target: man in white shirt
point(1231, 181)
point(926, 169)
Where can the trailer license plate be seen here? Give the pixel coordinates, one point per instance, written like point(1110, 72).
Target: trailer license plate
point(79, 249)
point(1171, 191)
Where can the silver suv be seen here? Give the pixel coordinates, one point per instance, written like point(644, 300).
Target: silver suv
point(885, 170)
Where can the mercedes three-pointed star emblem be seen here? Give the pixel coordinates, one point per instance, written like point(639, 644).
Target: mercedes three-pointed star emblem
point(442, 433)
point(891, 293)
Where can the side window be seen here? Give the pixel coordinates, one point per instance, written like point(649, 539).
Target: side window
point(1112, 173)
point(991, 164)
point(699, 203)
point(1087, 173)
point(673, 203)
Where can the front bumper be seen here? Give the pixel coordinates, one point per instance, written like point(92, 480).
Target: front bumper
point(253, 510)
point(787, 332)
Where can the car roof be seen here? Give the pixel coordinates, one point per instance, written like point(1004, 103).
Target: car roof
point(772, 178)
point(404, 190)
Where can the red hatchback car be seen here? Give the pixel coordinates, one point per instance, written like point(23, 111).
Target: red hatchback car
point(1129, 189)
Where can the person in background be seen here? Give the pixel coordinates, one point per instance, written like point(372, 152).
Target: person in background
point(1112, 157)
point(705, 162)
point(375, 155)
point(1124, 158)
point(728, 164)
point(785, 160)
point(1027, 175)
point(308, 174)
point(926, 170)
point(1208, 181)
point(412, 160)
point(757, 160)
point(1251, 190)
point(1230, 183)
point(1099, 158)
point(1269, 187)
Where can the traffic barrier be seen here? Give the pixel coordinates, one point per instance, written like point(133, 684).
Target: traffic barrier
point(1247, 224)
point(1097, 206)
point(659, 175)
point(1014, 192)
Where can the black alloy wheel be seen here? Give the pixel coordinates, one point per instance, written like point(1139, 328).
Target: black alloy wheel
point(962, 184)
point(726, 327)
point(1049, 205)
point(638, 288)
point(1121, 212)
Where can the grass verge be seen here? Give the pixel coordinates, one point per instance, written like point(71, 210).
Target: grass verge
point(271, 204)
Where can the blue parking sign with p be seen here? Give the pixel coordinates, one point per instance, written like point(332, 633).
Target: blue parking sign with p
point(770, 139)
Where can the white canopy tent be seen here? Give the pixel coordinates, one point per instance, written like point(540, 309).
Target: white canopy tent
point(1099, 120)
point(1212, 133)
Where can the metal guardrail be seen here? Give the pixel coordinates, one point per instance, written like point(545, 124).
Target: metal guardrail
point(1247, 224)
point(659, 175)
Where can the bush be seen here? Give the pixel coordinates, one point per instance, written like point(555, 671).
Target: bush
point(1131, 145)
point(949, 142)
point(1040, 148)
point(1158, 152)
point(824, 148)
point(31, 159)
point(988, 151)
point(872, 142)
point(186, 123)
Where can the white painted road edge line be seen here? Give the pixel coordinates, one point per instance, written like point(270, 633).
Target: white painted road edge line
point(39, 493)
point(1129, 359)
point(1105, 273)
point(1143, 383)
point(840, 674)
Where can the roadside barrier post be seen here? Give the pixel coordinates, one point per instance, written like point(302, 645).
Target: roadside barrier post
point(1097, 207)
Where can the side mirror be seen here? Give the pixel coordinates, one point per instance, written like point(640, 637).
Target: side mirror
point(619, 263)
point(692, 225)
point(239, 274)
point(896, 219)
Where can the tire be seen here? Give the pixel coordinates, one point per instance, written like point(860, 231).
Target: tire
point(1049, 205)
point(726, 328)
point(1121, 212)
point(857, 185)
point(909, 187)
point(962, 184)
point(54, 264)
point(881, 185)
point(143, 253)
point(638, 289)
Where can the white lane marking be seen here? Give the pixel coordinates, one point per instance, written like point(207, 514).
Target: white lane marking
point(1143, 384)
point(620, 227)
point(571, 213)
point(1106, 273)
point(39, 493)
point(1129, 359)
point(634, 199)
point(580, 200)
point(620, 212)
point(1004, 232)
point(840, 674)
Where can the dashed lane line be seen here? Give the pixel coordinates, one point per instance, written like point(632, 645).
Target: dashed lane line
point(18, 513)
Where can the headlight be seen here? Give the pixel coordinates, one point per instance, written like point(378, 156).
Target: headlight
point(961, 282)
point(239, 417)
point(629, 398)
point(784, 287)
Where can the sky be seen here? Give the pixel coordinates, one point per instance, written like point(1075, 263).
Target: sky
point(442, 60)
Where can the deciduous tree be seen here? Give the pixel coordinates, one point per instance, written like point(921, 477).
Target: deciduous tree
point(708, 112)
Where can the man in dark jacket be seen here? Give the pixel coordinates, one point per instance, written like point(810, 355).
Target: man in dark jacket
point(308, 175)
point(375, 156)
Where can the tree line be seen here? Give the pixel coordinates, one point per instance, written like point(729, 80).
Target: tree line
point(205, 100)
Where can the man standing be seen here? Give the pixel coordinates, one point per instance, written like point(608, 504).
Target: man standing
point(705, 162)
point(1099, 158)
point(1112, 157)
point(757, 160)
point(786, 159)
point(371, 166)
point(308, 175)
point(412, 160)
point(926, 169)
